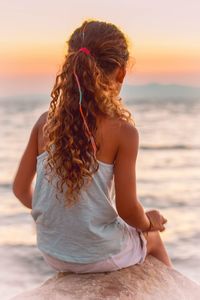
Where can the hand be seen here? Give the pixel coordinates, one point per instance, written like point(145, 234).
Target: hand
point(157, 220)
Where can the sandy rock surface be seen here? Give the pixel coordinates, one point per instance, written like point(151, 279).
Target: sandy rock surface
point(150, 281)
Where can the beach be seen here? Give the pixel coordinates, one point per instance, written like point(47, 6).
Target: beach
point(168, 179)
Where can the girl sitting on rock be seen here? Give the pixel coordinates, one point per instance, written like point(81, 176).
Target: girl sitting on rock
point(83, 149)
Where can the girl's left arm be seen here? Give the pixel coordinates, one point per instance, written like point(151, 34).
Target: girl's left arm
point(22, 183)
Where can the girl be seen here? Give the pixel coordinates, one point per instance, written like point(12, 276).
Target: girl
point(84, 148)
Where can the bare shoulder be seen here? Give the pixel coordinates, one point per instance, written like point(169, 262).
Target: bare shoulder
point(128, 133)
point(128, 143)
point(42, 119)
point(120, 140)
point(41, 139)
point(120, 126)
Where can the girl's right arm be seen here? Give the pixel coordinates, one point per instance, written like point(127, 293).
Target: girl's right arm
point(127, 204)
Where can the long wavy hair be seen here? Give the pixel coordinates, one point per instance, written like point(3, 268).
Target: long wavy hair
point(70, 154)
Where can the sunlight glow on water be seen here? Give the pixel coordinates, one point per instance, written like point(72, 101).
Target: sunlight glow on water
point(168, 176)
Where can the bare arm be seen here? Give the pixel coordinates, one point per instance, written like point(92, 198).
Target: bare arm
point(22, 183)
point(128, 206)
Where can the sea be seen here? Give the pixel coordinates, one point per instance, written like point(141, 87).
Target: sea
point(168, 179)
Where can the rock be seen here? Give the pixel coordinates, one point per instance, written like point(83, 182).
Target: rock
point(150, 281)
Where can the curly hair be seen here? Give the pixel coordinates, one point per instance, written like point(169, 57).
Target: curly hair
point(70, 155)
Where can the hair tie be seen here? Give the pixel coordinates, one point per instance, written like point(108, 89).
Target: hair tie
point(85, 50)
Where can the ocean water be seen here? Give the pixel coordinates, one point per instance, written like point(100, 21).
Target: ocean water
point(168, 176)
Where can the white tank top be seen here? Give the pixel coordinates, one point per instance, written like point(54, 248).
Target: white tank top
point(90, 231)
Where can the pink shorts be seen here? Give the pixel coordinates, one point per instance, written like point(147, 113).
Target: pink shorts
point(134, 253)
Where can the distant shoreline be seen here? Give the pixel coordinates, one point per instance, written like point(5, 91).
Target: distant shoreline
point(131, 91)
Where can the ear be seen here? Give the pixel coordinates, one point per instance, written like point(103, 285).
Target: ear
point(121, 74)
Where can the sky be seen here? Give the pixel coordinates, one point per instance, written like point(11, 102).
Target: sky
point(164, 40)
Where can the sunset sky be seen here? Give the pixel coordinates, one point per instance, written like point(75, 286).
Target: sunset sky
point(165, 38)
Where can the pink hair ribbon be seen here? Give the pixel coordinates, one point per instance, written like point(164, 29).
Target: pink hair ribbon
point(86, 50)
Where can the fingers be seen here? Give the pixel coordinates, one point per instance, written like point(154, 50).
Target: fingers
point(164, 220)
point(162, 228)
point(157, 220)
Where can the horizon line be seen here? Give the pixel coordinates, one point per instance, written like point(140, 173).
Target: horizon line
point(151, 83)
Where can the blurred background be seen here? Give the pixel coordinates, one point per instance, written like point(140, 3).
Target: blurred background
point(162, 90)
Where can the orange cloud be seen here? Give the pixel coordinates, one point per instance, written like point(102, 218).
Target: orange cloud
point(37, 65)
point(38, 59)
point(166, 60)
